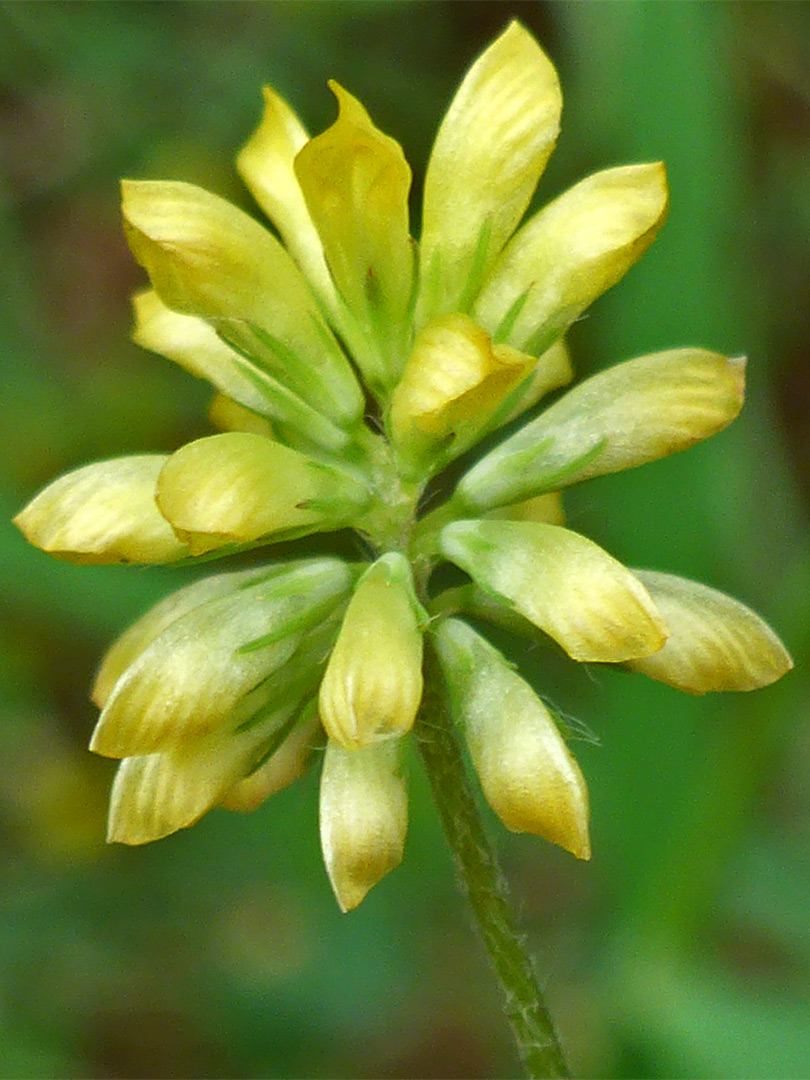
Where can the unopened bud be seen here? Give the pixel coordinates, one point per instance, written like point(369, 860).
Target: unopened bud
point(528, 775)
point(373, 682)
point(364, 817)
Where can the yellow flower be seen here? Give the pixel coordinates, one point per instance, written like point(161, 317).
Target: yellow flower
point(352, 366)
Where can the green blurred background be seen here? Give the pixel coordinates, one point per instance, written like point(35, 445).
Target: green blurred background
point(683, 948)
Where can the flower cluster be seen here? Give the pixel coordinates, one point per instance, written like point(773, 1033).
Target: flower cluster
point(353, 366)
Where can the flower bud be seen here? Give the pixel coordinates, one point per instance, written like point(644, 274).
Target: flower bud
point(203, 665)
point(209, 259)
point(363, 816)
point(715, 642)
point(635, 412)
point(126, 649)
point(355, 181)
point(570, 252)
point(238, 487)
point(565, 584)
point(103, 513)
point(527, 773)
point(373, 681)
point(156, 794)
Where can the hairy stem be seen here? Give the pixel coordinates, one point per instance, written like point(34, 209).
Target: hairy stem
point(481, 880)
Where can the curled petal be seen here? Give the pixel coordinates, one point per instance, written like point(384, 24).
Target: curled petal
point(635, 412)
point(363, 817)
point(103, 513)
point(238, 487)
point(715, 643)
point(454, 382)
point(208, 258)
point(355, 181)
point(373, 682)
point(528, 775)
point(563, 583)
point(571, 252)
point(490, 150)
point(266, 165)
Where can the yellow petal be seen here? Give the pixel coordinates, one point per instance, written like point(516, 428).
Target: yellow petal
point(129, 646)
point(635, 412)
point(194, 345)
point(546, 508)
point(207, 258)
point(529, 777)
point(238, 487)
point(363, 817)
point(266, 165)
point(355, 181)
point(226, 414)
point(373, 682)
point(187, 682)
point(715, 643)
point(453, 384)
point(551, 371)
point(565, 584)
point(571, 252)
point(103, 513)
point(157, 794)
point(281, 769)
point(491, 148)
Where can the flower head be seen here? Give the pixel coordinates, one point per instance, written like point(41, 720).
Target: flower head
point(352, 366)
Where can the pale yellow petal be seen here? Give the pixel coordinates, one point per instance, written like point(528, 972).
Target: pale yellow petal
point(187, 682)
point(226, 414)
point(715, 642)
point(551, 371)
point(103, 513)
point(571, 252)
point(281, 769)
point(529, 777)
point(633, 413)
point(208, 258)
point(238, 487)
point(157, 794)
point(454, 382)
point(373, 682)
point(491, 148)
point(355, 181)
point(129, 646)
point(547, 508)
point(193, 344)
point(266, 165)
point(563, 583)
point(363, 817)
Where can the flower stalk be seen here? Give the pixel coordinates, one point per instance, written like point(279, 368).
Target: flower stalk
point(480, 879)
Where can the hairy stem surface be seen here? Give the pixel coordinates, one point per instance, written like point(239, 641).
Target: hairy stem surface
point(481, 880)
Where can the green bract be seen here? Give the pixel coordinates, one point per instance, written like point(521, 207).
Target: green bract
point(352, 366)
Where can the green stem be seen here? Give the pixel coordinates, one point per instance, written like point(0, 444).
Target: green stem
point(481, 880)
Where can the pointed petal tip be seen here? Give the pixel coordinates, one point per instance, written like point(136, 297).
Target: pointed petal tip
point(349, 895)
